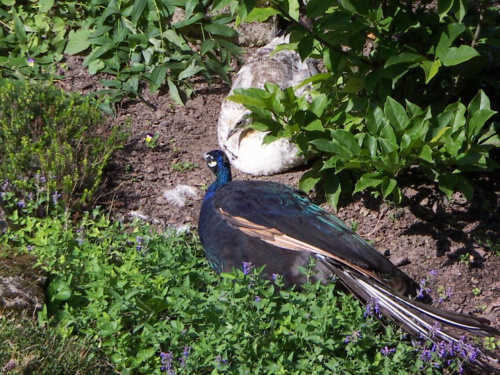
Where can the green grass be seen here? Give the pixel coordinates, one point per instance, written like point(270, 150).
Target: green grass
point(29, 348)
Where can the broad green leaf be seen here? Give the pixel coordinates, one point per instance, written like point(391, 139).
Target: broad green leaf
point(317, 8)
point(386, 146)
point(448, 36)
point(430, 69)
point(413, 109)
point(480, 101)
point(145, 353)
point(98, 52)
point(375, 119)
point(478, 113)
point(195, 18)
point(315, 78)
point(96, 66)
point(222, 30)
point(19, 29)
point(316, 125)
point(292, 8)
point(231, 47)
point(368, 180)
point(438, 136)
point(173, 37)
point(158, 76)
point(354, 85)
point(261, 14)
point(396, 114)
point(174, 92)
point(444, 7)
point(477, 122)
point(246, 100)
point(388, 185)
point(331, 147)
point(215, 66)
point(309, 180)
point(138, 40)
point(465, 187)
point(190, 7)
point(9, 2)
point(190, 71)
point(333, 188)
point(306, 47)
point(137, 10)
point(447, 183)
point(426, 154)
point(454, 56)
point(319, 104)
point(207, 46)
point(460, 9)
point(59, 290)
point(227, 275)
point(362, 7)
point(347, 140)
point(45, 5)
point(405, 57)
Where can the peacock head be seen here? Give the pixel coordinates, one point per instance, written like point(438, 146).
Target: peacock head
point(218, 163)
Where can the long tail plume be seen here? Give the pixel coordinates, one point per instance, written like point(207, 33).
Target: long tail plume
point(425, 321)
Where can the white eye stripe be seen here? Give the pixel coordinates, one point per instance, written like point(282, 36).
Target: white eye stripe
point(212, 163)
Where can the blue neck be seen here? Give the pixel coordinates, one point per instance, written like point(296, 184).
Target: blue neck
point(223, 176)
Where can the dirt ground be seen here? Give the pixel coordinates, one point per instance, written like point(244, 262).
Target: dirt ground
point(458, 241)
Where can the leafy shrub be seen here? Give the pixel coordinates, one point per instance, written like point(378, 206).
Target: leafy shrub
point(52, 146)
point(153, 42)
point(405, 84)
point(150, 301)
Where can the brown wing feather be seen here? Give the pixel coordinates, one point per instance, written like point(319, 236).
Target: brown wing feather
point(275, 237)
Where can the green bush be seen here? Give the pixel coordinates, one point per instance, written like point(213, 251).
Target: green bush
point(53, 147)
point(162, 43)
point(150, 300)
point(405, 84)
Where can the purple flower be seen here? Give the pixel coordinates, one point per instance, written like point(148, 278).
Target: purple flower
point(372, 307)
point(55, 197)
point(426, 355)
point(257, 299)
point(185, 355)
point(220, 361)
point(166, 361)
point(31, 61)
point(21, 203)
point(29, 248)
point(433, 273)
point(275, 276)
point(353, 337)
point(386, 351)
point(247, 268)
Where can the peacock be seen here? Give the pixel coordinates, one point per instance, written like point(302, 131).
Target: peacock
point(243, 145)
point(271, 224)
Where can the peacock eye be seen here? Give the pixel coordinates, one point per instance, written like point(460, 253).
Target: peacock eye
point(211, 163)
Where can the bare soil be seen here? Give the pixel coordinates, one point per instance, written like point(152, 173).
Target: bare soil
point(456, 238)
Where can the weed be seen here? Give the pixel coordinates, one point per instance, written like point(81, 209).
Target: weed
point(184, 167)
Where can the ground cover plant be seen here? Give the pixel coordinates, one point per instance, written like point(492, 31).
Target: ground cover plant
point(150, 301)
